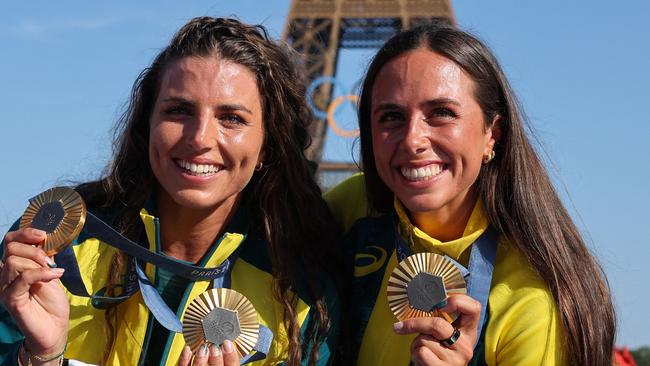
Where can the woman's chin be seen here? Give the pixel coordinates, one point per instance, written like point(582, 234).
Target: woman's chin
point(196, 200)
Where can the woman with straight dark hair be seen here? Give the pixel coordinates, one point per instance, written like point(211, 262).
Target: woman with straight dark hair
point(447, 161)
point(208, 169)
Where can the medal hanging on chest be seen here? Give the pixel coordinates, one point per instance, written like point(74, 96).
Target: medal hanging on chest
point(420, 285)
point(220, 314)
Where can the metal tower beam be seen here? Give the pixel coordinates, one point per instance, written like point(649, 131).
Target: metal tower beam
point(317, 29)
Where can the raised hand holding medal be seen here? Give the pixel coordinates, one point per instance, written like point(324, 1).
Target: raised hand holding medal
point(421, 294)
point(29, 287)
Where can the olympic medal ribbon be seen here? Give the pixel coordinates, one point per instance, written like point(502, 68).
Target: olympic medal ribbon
point(262, 347)
point(97, 228)
point(61, 212)
point(481, 265)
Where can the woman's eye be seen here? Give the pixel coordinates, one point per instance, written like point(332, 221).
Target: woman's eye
point(442, 112)
point(178, 111)
point(391, 118)
point(233, 119)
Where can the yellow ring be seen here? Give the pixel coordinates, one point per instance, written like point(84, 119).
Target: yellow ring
point(330, 116)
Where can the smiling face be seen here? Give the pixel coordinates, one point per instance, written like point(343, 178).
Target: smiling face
point(206, 132)
point(428, 133)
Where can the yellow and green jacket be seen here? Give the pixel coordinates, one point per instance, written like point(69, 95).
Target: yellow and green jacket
point(523, 327)
point(251, 275)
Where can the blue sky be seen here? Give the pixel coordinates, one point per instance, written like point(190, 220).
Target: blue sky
point(580, 68)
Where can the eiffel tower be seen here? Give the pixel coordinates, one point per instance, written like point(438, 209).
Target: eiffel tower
point(318, 29)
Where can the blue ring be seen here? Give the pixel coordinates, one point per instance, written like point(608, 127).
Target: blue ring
point(312, 87)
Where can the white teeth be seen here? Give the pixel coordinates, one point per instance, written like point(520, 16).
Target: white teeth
point(423, 173)
point(198, 169)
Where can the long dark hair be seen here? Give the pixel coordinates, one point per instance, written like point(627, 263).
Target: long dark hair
point(282, 199)
point(515, 188)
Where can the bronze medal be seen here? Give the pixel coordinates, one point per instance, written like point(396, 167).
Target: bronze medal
point(60, 212)
point(220, 314)
point(421, 284)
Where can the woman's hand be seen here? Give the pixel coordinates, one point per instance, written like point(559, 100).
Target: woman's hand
point(31, 292)
point(211, 356)
point(428, 347)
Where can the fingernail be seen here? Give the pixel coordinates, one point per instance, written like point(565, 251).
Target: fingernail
point(38, 232)
point(203, 351)
point(227, 346)
point(58, 270)
point(397, 327)
point(214, 351)
point(187, 351)
point(50, 262)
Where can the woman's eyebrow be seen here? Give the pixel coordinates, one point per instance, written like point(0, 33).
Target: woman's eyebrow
point(441, 101)
point(234, 107)
point(177, 99)
point(386, 106)
point(229, 107)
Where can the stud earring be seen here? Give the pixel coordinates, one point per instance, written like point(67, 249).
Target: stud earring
point(489, 157)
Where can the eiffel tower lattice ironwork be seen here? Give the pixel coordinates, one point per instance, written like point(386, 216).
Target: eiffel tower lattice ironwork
point(317, 29)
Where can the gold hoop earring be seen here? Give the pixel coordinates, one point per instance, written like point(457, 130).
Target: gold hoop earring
point(489, 157)
point(259, 166)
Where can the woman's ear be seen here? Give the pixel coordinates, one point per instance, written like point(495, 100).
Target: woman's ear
point(493, 133)
point(260, 161)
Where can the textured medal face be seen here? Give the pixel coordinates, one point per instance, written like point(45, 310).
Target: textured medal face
point(420, 285)
point(220, 314)
point(220, 324)
point(60, 212)
point(426, 292)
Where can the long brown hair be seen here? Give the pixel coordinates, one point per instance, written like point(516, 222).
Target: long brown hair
point(283, 200)
point(515, 188)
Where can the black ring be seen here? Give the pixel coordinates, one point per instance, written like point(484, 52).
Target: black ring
point(452, 339)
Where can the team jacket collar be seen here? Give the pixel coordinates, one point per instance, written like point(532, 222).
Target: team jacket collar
point(422, 242)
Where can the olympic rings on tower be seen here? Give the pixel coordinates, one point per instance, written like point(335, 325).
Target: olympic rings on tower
point(328, 115)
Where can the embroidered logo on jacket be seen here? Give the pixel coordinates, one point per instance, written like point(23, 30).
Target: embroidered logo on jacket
point(369, 262)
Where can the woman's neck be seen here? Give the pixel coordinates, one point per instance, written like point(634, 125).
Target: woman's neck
point(187, 233)
point(447, 223)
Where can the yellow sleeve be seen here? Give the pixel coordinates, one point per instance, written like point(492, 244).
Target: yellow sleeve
point(524, 326)
point(347, 201)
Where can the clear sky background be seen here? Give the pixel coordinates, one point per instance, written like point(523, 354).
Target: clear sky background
point(580, 68)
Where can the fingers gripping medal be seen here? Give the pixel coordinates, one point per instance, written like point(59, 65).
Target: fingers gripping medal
point(220, 314)
point(420, 285)
point(60, 212)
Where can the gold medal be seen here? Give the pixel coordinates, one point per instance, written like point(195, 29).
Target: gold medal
point(421, 284)
point(60, 212)
point(220, 314)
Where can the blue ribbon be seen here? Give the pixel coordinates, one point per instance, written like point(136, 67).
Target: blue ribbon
point(97, 228)
point(262, 346)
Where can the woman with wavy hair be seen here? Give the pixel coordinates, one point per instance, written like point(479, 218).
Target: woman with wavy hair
point(447, 162)
point(208, 167)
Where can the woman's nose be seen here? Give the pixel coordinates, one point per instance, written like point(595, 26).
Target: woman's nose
point(416, 137)
point(199, 135)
